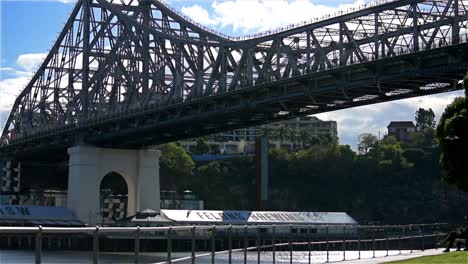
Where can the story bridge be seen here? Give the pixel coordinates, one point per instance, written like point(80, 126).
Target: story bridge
point(128, 73)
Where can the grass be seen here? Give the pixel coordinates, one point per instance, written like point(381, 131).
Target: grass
point(458, 257)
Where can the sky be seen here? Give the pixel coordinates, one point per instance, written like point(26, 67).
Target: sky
point(29, 27)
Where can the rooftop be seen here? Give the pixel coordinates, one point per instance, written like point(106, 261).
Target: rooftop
point(401, 124)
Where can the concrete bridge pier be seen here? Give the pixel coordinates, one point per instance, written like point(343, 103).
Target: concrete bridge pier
point(89, 165)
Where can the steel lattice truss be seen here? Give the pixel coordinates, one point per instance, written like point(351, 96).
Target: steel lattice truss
point(128, 57)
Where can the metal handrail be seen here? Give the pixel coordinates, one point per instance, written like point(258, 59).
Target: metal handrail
point(293, 240)
point(104, 229)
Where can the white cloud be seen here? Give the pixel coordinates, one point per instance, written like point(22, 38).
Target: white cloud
point(10, 89)
point(261, 15)
point(199, 14)
point(12, 72)
point(13, 81)
point(31, 61)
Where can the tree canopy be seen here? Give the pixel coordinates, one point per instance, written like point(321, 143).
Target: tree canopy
point(176, 166)
point(425, 118)
point(366, 142)
point(452, 136)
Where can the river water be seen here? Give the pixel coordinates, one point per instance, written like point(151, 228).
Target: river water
point(78, 257)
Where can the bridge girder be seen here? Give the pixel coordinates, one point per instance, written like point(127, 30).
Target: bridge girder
point(121, 58)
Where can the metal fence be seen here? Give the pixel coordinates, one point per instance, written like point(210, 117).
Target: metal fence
point(212, 241)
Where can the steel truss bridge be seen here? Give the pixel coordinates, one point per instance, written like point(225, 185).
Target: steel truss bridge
point(128, 73)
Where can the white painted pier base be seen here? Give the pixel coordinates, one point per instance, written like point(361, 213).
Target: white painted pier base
point(87, 167)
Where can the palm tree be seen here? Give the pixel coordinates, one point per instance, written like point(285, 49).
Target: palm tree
point(292, 136)
point(265, 131)
point(303, 137)
point(281, 134)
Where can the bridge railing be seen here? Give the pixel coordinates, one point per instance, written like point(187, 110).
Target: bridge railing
point(280, 29)
point(253, 243)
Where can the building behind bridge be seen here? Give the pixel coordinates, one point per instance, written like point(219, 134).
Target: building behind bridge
point(403, 131)
point(242, 141)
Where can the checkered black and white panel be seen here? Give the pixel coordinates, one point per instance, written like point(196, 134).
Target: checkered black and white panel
point(10, 177)
point(114, 209)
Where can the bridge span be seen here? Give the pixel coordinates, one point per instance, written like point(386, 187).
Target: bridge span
point(128, 74)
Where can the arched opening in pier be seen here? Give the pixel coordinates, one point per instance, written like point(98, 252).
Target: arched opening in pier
point(113, 197)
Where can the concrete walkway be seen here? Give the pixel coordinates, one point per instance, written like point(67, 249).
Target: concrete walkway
point(429, 252)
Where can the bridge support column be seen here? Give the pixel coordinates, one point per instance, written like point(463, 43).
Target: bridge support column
point(88, 166)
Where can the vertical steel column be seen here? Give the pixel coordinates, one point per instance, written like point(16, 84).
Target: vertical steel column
point(85, 62)
point(96, 245)
point(308, 51)
point(230, 243)
point(414, 6)
point(341, 54)
point(456, 25)
point(246, 241)
point(223, 68)
point(249, 64)
point(178, 82)
point(38, 246)
point(145, 55)
point(213, 244)
point(137, 245)
point(199, 81)
point(376, 35)
point(169, 245)
point(193, 244)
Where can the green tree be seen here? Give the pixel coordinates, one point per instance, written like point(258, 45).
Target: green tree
point(281, 133)
point(346, 152)
point(176, 166)
point(265, 131)
point(425, 138)
point(293, 135)
point(366, 141)
point(303, 136)
point(452, 136)
point(424, 119)
point(202, 147)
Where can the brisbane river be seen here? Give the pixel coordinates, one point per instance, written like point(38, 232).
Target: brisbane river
point(60, 257)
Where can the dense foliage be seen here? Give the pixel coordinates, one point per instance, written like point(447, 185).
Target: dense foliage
point(452, 136)
point(389, 182)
